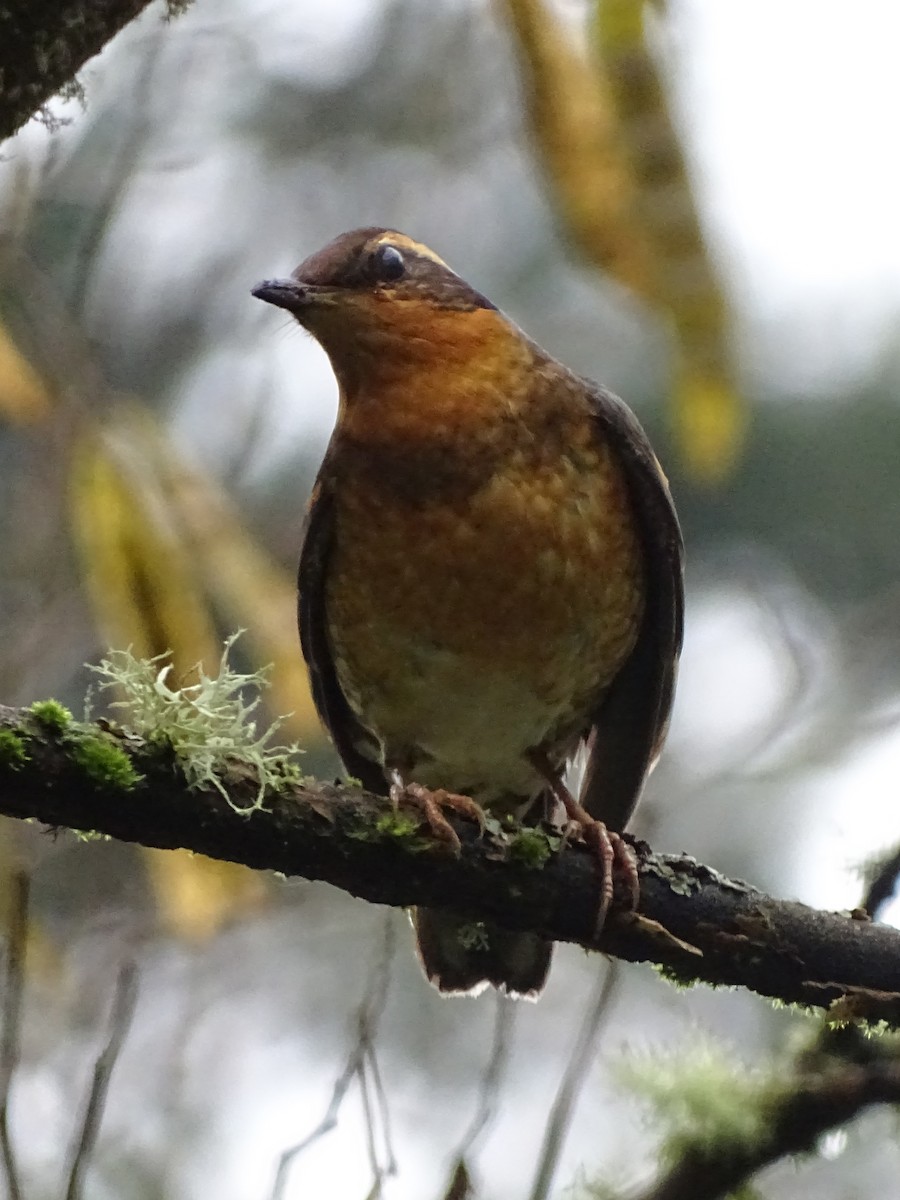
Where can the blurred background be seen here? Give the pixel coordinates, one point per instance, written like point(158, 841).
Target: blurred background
point(693, 202)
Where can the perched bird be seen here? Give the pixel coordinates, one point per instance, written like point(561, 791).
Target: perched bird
point(491, 572)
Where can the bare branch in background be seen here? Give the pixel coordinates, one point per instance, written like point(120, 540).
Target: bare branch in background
point(834, 1079)
point(573, 1079)
point(123, 1006)
point(361, 1065)
point(489, 1091)
point(716, 1168)
point(373, 1090)
point(459, 1183)
point(16, 943)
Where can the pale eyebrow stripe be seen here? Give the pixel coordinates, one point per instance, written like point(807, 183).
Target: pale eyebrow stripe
point(402, 242)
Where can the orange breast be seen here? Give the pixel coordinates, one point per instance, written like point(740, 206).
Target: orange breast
point(474, 627)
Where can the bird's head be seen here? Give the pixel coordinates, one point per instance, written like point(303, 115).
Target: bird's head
point(383, 305)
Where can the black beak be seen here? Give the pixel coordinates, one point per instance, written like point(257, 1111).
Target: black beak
point(283, 293)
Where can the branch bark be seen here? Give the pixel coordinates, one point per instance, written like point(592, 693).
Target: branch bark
point(693, 922)
point(45, 43)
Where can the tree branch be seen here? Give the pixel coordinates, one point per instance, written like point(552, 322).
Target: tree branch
point(45, 43)
point(831, 1081)
point(693, 922)
point(709, 1170)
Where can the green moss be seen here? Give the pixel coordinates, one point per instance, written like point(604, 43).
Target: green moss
point(13, 754)
point(104, 763)
point(704, 1099)
point(52, 716)
point(532, 847)
point(398, 827)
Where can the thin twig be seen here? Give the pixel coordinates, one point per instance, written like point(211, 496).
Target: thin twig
point(504, 1020)
point(372, 1093)
point(370, 1120)
point(327, 1123)
point(16, 945)
point(459, 1183)
point(124, 1000)
point(572, 1083)
point(383, 1110)
point(368, 1015)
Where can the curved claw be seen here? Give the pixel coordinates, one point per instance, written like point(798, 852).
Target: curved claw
point(430, 804)
point(611, 849)
point(609, 846)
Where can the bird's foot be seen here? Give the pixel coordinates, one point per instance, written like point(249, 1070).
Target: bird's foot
point(430, 802)
point(614, 853)
point(610, 848)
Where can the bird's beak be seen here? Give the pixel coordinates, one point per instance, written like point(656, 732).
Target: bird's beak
point(284, 293)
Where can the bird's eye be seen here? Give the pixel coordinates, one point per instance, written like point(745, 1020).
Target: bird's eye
point(387, 264)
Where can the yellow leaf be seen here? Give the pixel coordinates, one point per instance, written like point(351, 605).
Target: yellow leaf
point(140, 577)
point(709, 417)
point(575, 129)
point(252, 591)
point(605, 133)
point(196, 896)
point(710, 424)
point(247, 587)
point(24, 399)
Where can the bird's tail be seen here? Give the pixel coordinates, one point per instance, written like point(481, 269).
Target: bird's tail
point(464, 956)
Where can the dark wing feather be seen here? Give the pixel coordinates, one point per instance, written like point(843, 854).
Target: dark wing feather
point(346, 731)
point(631, 722)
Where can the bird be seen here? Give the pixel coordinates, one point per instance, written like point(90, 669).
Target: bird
point(491, 575)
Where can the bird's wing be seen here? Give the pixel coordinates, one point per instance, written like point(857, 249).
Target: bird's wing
point(346, 731)
point(630, 724)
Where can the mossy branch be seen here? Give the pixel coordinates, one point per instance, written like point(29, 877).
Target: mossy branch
point(747, 1129)
point(45, 43)
point(693, 923)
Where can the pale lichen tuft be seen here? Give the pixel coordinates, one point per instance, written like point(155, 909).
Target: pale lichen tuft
point(207, 725)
